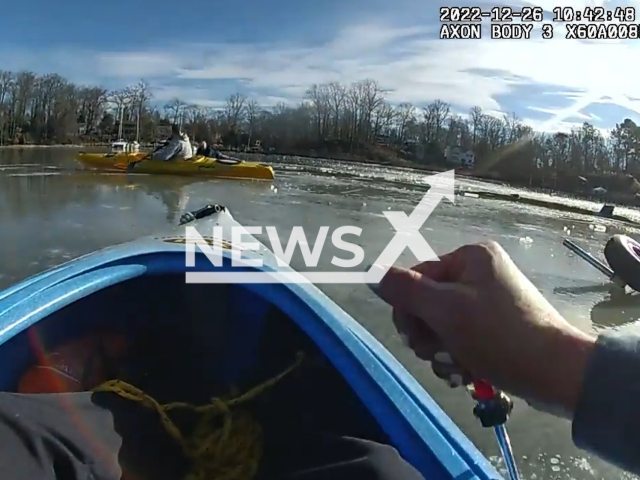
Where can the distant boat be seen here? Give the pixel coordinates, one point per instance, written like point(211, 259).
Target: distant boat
point(122, 146)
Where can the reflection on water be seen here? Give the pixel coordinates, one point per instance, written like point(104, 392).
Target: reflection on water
point(618, 309)
point(51, 211)
point(171, 191)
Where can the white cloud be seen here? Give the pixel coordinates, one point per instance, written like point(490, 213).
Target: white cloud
point(202, 97)
point(196, 96)
point(426, 69)
point(408, 62)
point(136, 64)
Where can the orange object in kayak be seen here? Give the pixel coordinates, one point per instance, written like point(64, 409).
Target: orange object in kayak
point(76, 366)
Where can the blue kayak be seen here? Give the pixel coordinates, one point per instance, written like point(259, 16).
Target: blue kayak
point(235, 334)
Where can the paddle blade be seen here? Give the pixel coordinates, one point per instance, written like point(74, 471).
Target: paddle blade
point(129, 163)
point(121, 165)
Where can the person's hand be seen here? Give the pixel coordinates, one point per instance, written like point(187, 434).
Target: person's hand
point(474, 314)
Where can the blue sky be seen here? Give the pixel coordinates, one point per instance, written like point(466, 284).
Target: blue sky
point(273, 50)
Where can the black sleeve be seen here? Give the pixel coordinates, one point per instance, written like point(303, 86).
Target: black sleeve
point(607, 417)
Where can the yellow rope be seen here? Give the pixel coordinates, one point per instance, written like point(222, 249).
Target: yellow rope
point(226, 444)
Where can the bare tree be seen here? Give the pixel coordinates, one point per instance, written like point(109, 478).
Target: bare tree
point(93, 103)
point(336, 96)
point(406, 114)
point(121, 99)
point(251, 110)
point(234, 110)
point(435, 116)
point(175, 109)
point(476, 116)
point(6, 81)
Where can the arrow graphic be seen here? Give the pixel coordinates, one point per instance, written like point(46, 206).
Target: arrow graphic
point(407, 236)
point(408, 227)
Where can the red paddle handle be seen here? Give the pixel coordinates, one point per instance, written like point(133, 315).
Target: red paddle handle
point(483, 391)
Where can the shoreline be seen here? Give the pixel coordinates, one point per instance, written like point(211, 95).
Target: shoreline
point(463, 173)
point(405, 165)
point(510, 197)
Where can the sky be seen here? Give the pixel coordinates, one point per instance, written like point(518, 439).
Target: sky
point(273, 50)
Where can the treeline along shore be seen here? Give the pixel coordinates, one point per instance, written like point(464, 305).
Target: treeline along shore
point(346, 122)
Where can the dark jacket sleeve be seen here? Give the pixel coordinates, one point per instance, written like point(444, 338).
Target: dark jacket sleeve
point(607, 417)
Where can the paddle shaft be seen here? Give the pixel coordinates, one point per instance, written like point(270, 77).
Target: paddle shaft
point(130, 165)
point(493, 408)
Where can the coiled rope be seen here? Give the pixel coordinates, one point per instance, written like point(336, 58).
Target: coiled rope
point(226, 443)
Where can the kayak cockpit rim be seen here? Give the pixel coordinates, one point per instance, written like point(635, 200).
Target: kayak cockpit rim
point(417, 426)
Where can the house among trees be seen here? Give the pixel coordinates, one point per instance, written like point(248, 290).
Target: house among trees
point(383, 139)
point(460, 157)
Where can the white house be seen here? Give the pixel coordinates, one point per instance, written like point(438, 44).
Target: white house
point(460, 157)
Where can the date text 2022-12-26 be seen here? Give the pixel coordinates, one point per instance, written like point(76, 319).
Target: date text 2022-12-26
point(507, 23)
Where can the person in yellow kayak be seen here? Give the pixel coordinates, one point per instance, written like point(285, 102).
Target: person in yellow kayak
point(178, 147)
point(210, 152)
point(205, 150)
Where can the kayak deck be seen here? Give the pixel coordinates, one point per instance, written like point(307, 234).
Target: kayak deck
point(197, 166)
point(194, 341)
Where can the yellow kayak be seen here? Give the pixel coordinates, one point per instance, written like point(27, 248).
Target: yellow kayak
point(198, 165)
